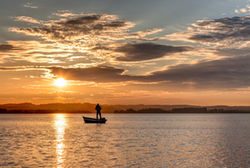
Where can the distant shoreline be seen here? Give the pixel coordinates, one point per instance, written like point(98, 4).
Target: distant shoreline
point(88, 108)
point(169, 112)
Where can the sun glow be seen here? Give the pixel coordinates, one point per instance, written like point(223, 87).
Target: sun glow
point(60, 82)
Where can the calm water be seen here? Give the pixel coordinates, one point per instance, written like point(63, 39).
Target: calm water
point(126, 140)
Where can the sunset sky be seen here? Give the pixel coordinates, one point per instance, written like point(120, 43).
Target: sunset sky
point(125, 51)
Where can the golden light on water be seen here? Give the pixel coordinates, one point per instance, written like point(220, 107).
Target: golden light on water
point(60, 82)
point(60, 125)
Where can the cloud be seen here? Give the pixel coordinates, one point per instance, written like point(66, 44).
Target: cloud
point(225, 73)
point(35, 53)
point(223, 32)
point(30, 5)
point(147, 51)
point(6, 47)
point(24, 68)
point(233, 52)
point(9, 48)
point(64, 13)
point(84, 29)
point(243, 10)
point(27, 19)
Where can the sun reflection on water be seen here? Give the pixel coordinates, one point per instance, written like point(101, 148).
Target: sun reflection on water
point(60, 124)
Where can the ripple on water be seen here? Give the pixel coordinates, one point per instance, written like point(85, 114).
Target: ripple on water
point(127, 140)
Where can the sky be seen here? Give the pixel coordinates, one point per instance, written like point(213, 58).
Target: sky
point(125, 52)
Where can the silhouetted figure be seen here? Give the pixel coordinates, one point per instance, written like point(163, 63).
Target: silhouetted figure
point(98, 111)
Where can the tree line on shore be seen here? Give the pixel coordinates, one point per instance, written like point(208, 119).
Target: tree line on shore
point(129, 110)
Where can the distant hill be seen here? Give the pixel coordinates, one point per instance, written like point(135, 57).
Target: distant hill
point(90, 108)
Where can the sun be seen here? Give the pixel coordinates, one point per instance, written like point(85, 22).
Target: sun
point(60, 82)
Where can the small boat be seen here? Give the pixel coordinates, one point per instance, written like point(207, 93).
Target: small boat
point(94, 120)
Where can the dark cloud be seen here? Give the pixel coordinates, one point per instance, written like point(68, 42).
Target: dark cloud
point(227, 32)
point(117, 23)
point(96, 22)
point(97, 74)
point(91, 23)
point(81, 20)
point(147, 51)
point(225, 73)
point(224, 28)
point(232, 52)
point(6, 47)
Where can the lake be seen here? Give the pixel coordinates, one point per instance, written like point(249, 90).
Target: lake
point(126, 140)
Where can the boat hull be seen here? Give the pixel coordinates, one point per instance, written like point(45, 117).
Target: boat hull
point(94, 120)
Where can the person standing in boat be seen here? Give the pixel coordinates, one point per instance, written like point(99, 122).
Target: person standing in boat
point(98, 111)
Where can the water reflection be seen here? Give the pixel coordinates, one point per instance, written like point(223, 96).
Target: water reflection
point(60, 124)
